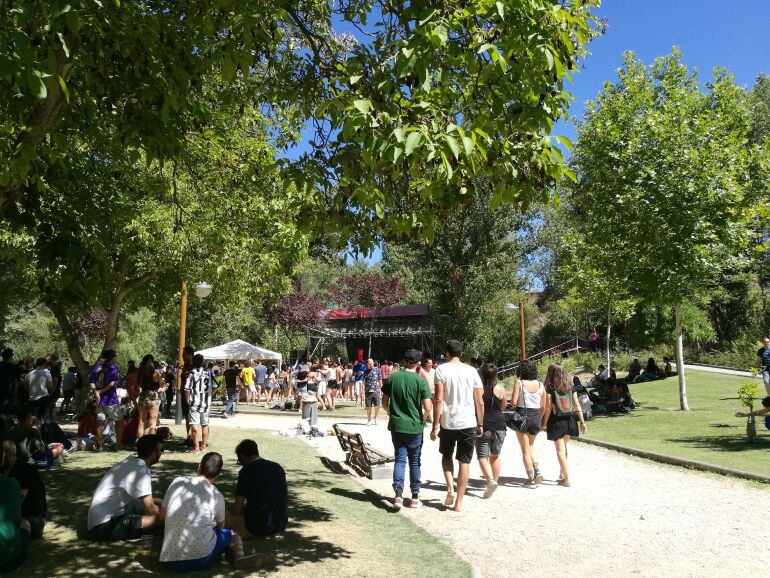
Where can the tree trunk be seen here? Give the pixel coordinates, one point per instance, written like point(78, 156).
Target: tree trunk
point(113, 320)
point(73, 344)
point(609, 330)
point(680, 359)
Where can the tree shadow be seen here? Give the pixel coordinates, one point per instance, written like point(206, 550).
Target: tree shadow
point(732, 444)
point(64, 549)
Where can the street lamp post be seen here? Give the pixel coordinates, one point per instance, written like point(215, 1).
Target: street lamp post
point(510, 308)
point(202, 290)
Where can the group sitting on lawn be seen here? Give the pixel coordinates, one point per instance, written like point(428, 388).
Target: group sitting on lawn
point(197, 524)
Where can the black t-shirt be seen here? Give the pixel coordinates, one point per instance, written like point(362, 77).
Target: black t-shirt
point(302, 378)
point(231, 378)
point(263, 484)
point(9, 377)
point(56, 379)
point(493, 409)
point(35, 503)
point(764, 353)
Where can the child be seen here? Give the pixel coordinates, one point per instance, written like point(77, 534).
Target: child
point(562, 406)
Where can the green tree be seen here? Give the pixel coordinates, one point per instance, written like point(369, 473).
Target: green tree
point(666, 180)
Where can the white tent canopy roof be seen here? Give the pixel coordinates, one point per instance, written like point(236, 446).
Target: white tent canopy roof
point(239, 349)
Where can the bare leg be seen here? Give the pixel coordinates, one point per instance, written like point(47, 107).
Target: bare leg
point(449, 467)
point(494, 461)
point(140, 421)
point(376, 411)
point(462, 483)
point(486, 469)
point(369, 413)
point(561, 455)
point(152, 418)
point(526, 454)
point(100, 434)
point(150, 522)
point(194, 433)
point(237, 557)
point(205, 436)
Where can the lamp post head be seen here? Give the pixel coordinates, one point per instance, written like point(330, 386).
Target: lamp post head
point(510, 308)
point(202, 290)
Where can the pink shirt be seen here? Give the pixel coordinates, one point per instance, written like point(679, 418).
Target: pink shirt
point(385, 371)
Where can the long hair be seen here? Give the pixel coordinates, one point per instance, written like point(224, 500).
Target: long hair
point(558, 378)
point(146, 371)
point(488, 373)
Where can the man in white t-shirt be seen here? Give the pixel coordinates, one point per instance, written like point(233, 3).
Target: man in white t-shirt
point(193, 511)
point(38, 384)
point(458, 409)
point(122, 507)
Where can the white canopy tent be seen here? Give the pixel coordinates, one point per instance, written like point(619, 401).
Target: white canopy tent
point(239, 349)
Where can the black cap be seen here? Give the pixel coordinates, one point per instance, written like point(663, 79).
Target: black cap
point(412, 356)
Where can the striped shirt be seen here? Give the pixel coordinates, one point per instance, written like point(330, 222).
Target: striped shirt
point(199, 383)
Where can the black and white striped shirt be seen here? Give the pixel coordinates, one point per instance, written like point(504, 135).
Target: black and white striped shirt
point(200, 383)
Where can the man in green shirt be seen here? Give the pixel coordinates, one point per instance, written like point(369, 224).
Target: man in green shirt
point(406, 398)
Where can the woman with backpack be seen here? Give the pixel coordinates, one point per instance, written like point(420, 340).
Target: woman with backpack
point(563, 410)
point(529, 399)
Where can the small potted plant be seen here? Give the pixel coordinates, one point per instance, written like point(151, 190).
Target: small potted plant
point(748, 391)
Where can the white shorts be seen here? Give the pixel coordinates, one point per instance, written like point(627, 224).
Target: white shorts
point(252, 389)
point(356, 388)
point(200, 418)
point(321, 388)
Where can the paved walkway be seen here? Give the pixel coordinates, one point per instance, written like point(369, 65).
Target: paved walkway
point(621, 516)
point(710, 369)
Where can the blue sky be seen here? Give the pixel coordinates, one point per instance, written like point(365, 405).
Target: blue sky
point(709, 32)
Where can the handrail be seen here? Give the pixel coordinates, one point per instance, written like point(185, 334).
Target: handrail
point(576, 347)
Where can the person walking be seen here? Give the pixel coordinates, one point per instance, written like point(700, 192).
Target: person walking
point(763, 362)
point(458, 410)
point(232, 380)
point(490, 445)
point(104, 381)
point(407, 400)
point(372, 381)
point(197, 390)
point(529, 399)
point(562, 409)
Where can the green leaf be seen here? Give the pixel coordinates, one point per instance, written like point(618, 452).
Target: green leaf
point(228, 69)
point(64, 88)
point(399, 133)
point(454, 146)
point(37, 86)
point(548, 58)
point(440, 32)
point(500, 9)
point(363, 105)
point(397, 152)
point(412, 142)
point(355, 78)
point(63, 44)
point(468, 145)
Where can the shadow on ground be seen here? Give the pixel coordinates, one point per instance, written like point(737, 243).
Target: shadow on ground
point(731, 443)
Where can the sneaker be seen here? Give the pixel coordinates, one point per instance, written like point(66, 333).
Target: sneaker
point(369, 422)
point(398, 503)
point(531, 483)
point(415, 503)
point(491, 487)
point(538, 477)
point(564, 483)
point(375, 421)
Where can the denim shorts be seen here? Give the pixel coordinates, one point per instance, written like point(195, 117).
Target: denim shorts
point(224, 537)
point(490, 443)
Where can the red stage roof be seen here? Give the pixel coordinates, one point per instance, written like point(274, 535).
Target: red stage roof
point(418, 310)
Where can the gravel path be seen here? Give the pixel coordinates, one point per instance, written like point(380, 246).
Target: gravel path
point(621, 516)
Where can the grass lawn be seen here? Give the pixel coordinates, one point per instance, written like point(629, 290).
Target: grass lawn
point(707, 433)
point(336, 527)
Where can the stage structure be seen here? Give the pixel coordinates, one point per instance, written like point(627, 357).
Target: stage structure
point(392, 331)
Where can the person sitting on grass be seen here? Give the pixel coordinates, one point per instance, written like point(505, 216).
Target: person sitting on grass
point(30, 447)
point(651, 372)
point(14, 530)
point(261, 503)
point(634, 370)
point(122, 507)
point(34, 505)
point(193, 512)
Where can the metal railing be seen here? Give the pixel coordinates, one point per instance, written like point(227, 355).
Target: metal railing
point(570, 346)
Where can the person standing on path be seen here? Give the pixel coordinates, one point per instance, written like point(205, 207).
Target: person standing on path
point(247, 378)
point(490, 444)
point(372, 381)
point(232, 381)
point(458, 410)
point(763, 362)
point(407, 400)
point(529, 398)
point(197, 390)
point(562, 407)
point(260, 376)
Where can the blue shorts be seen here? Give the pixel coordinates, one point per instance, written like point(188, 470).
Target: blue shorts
point(224, 537)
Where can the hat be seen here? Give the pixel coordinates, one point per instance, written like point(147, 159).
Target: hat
point(412, 356)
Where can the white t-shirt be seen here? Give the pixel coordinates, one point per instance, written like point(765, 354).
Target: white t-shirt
point(194, 507)
point(124, 483)
point(38, 380)
point(458, 410)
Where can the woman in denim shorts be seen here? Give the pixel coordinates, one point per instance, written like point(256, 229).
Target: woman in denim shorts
point(490, 444)
point(529, 398)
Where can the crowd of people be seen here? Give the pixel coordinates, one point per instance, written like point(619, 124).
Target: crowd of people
point(470, 413)
point(112, 410)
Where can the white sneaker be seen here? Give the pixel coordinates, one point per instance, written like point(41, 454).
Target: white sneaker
point(369, 422)
point(375, 421)
point(491, 487)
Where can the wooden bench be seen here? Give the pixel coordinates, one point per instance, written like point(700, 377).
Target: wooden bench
point(365, 459)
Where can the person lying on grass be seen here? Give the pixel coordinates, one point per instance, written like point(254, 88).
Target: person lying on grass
point(122, 507)
point(193, 511)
